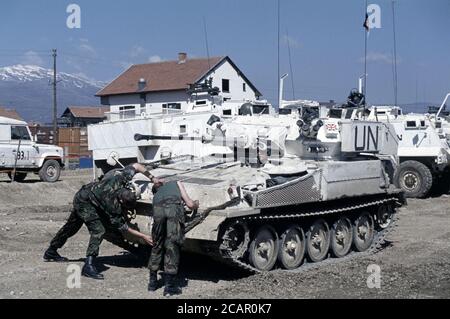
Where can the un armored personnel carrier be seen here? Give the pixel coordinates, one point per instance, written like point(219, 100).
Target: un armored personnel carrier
point(424, 153)
point(293, 190)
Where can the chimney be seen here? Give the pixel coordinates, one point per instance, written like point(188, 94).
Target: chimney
point(182, 57)
point(142, 84)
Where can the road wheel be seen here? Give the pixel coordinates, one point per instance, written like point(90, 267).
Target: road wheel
point(292, 247)
point(50, 171)
point(363, 232)
point(341, 237)
point(318, 241)
point(414, 178)
point(20, 177)
point(264, 249)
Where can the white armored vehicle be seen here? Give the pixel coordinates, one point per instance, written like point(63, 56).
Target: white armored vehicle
point(423, 153)
point(20, 155)
point(113, 135)
point(283, 194)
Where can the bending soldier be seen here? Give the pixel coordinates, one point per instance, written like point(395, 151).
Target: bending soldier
point(168, 233)
point(98, 205)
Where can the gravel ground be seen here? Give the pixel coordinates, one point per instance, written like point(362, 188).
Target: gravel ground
point(414, 266)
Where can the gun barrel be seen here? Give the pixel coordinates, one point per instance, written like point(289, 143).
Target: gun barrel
point(140, 137)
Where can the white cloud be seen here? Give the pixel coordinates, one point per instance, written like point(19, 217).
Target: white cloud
point(291, 41)
point(379, 57)
point(32, 58)
point(154, 59)
point(136, 51)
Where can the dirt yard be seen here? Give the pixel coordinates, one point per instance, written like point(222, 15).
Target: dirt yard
point(416, 265)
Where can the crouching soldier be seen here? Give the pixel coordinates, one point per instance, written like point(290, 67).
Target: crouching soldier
point(168, 233)
point(99, 205)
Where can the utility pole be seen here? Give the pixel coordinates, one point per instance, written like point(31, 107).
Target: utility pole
point(55, 105)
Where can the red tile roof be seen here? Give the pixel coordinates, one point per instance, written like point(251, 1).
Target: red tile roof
point(87, 111)
point(161, 76)
point(12, 114)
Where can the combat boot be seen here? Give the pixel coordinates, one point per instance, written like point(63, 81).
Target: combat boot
point(89, 269)
point(153, 282)
point(172, 287)
point(51, 255)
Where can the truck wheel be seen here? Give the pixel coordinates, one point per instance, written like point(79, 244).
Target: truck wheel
point(20, 177)
point(414, 178)
point(50, 171)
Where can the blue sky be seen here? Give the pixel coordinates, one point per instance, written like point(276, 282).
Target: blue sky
point(326, 36)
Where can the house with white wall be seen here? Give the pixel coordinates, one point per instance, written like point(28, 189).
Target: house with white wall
point(155, 87)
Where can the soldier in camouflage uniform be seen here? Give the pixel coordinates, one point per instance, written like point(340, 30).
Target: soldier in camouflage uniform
point(168, 233)
point(100, 207)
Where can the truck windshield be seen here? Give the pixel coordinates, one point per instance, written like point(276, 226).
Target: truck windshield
point(20, 132)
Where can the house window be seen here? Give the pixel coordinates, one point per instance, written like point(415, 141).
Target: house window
point(244, 87)
point(225, 86)
point(20, 132)
point(127, 111)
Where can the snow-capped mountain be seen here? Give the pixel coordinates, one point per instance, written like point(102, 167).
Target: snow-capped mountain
point(27, 88)
point(29, 73)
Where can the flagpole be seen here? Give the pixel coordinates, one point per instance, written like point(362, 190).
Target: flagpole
point(365, 58)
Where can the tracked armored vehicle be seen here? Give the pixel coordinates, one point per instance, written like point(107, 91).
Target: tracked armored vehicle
point(280, 199)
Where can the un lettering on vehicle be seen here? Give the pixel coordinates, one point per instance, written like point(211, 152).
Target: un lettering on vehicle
point(361, 137)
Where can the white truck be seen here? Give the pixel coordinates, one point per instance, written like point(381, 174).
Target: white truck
point(424, 155)
point(20, 155)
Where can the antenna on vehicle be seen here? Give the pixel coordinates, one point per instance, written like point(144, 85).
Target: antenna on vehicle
point(278, 50)
point(395, 55)
point(206, 42)
point(290, 64)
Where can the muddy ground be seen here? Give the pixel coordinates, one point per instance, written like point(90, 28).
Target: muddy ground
point(416, 265)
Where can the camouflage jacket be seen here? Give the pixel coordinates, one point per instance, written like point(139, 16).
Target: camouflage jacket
point(106, 196)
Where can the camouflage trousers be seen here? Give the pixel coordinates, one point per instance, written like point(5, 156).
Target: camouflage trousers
point(83, 212)
point(168, 238)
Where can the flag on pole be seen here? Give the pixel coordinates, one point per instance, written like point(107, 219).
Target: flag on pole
point(366, 23)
